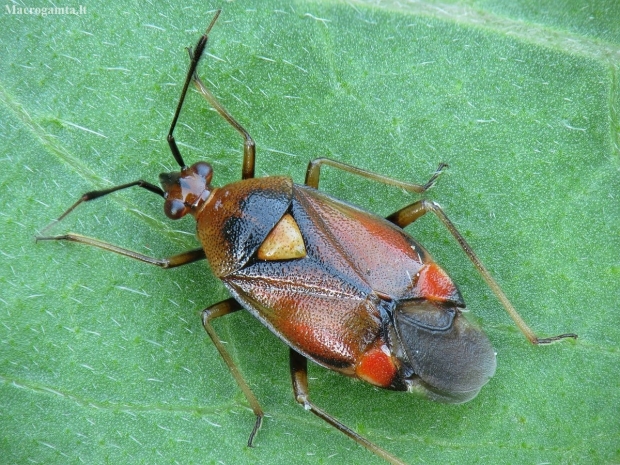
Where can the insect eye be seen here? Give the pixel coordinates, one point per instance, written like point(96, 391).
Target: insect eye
point(175, 209)
point(204, 170)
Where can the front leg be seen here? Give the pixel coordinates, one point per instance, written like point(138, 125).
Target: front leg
point(169, 262)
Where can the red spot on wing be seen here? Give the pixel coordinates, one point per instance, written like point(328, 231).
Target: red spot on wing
point(434, 284)
point(376, 366)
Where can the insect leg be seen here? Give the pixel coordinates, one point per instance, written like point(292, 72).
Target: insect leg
point(410, 213)
point(249, 148)
point(299, 375)
point(314, 171)
point(195, 58)
point(214, 311)
point(170, 262)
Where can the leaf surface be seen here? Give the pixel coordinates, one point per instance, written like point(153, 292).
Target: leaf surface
point(103, 359)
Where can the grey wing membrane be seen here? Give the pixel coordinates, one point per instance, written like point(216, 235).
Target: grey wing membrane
point(451, 358)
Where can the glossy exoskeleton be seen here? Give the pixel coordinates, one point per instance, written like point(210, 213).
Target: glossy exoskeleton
point(342, 287)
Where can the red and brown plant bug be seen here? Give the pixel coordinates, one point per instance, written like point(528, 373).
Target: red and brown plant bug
point(340, 286)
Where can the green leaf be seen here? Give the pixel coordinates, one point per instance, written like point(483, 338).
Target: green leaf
point(103, 359)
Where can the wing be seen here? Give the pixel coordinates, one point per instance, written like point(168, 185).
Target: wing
point(451, 358)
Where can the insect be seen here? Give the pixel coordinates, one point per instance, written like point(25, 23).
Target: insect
point(340, 286)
